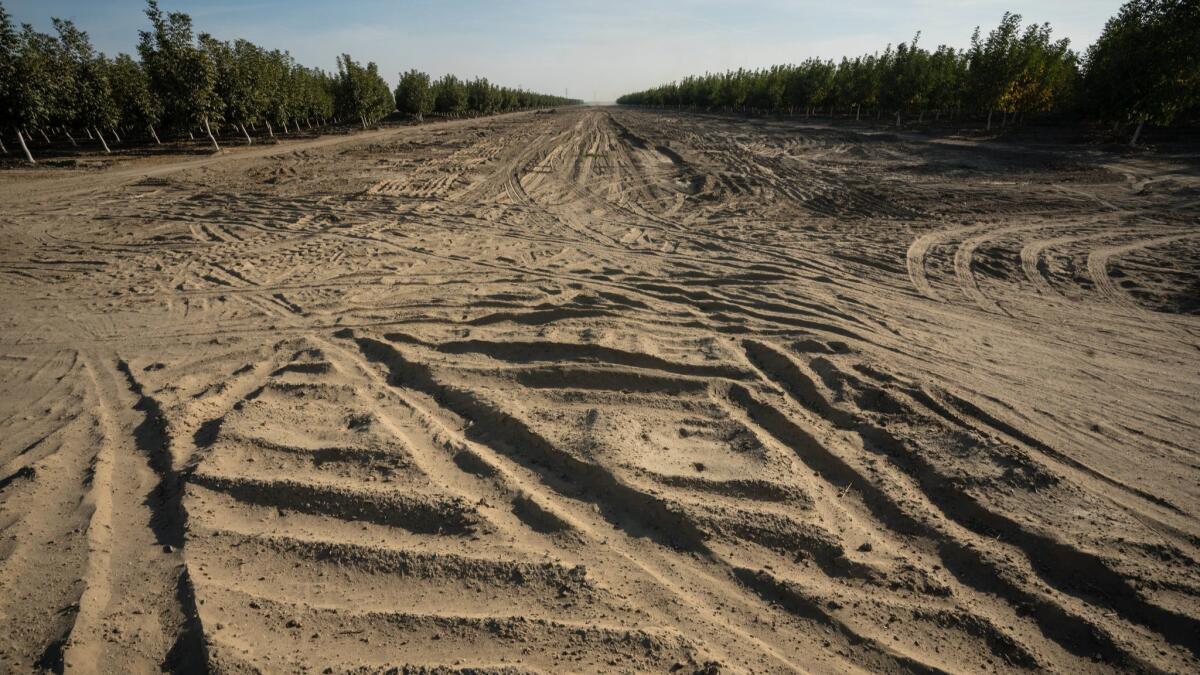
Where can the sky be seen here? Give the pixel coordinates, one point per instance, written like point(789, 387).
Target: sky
point(595, 50)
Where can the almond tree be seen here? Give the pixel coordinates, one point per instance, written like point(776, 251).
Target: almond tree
point(58, 86)
point(87, 75)
point(449, 95)
point(28, 89)
point(181, 74)
point(994, 63)
point(1009, 71)
point(907, 81)
point(290, 93)
point(251, 89)
point(1043, 71)
point(860, 82)
point(240, 81)
point(948, 78)
point(766, 91)
point(275, 67)
point(9, 102)
point(414, 95)
point(137, 106)
point(481, 96)
point(361, 92)
point(809, 84)
point(315, 98)
point(1145, 67)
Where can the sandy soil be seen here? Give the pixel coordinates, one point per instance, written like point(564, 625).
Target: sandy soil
point(603, 390)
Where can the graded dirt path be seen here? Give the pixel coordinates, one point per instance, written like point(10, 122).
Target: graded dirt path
point(603, 390)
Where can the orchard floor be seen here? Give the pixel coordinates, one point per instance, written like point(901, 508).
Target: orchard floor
point(603, 390)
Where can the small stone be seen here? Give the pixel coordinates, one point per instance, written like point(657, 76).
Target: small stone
point(865, 547)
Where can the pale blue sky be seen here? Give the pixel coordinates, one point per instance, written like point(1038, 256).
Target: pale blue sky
point(594, 48)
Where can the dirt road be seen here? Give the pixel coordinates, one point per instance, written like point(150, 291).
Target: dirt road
point(604, 390)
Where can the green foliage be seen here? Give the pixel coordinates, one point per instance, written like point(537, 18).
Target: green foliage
point(1145, 67)
point(449, 95)
point(1010, 70)
point(181, 73)
point(137, 106)
point(414, 94)
point(452, 96)
point(35, 92)
point(11, 103)
point(187, 82)
point(481, 96)
point(239, 79)
point(84, 75)
point(361, 92)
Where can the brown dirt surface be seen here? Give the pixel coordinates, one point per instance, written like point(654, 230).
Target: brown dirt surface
point(603, 391)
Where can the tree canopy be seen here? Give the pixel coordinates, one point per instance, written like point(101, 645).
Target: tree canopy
point(182, 81)
point(1144, 68)
point(1146, 65)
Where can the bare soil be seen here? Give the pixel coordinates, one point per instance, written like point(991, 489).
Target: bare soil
point(603, 390)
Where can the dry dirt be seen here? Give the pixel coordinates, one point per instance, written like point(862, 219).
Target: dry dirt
point(603, 390)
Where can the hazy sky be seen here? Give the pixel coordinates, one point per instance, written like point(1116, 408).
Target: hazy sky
point(595, 49)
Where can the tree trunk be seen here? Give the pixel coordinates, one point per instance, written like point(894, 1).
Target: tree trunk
point(154, 134)
point(897, 119)
point(857, 113)
point(364, 120)
point(247, 135)
point(102, 141)
point(89, 133)
point(269, 129)
point(44, 136)
point(70, 137)
point(212, 138)
point(2, 147)
point(191, 136)
point(285, 127)
point(921, 117)
point(115, 134)
point(1137, 132)
point(28, 155)
point(989, 128)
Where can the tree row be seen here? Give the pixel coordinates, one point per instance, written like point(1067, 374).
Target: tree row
point(418, 96)
point(187, 83)
point(1145, 67)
